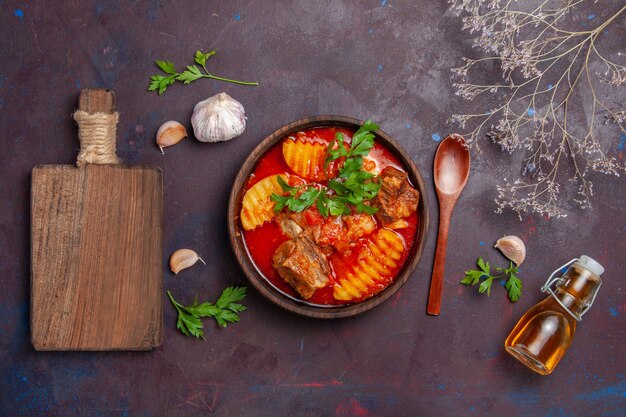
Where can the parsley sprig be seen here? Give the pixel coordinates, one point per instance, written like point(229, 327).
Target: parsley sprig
point(353, 185)
point(224, 311)
point(159, 83)
point(513, 284)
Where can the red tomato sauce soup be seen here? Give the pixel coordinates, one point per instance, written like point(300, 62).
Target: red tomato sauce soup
point(263, 241)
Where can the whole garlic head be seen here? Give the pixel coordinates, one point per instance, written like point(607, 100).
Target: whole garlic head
point(218, 118)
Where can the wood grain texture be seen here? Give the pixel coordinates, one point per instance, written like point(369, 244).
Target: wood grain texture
point(253, 274)
point(96, 235)
point(95, 100)
point(96, 257)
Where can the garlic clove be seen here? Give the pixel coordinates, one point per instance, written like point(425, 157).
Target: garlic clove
point(170, 133)
point(513, 248)
point(182, 259)
point(218, 118)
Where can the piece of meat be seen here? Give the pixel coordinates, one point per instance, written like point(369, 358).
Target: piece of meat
point(332, 232)
point(358, 225)
point(301, 263)
point(289, 226)
point(396, 198)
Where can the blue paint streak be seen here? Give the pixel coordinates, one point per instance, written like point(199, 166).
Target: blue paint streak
point(380, 67)
point(531, 112)
point(237, 17)
point(436, 137)
point(481, 243)
point(153, 10)
point(560, 414)
point(19, 13)
point(370, 31)
point(383, 3)
point(613, 311)
point(441, 386)
point(591, 16)
point(610, 392)
point(407, 125)
point(524, 397)
point(622, 141)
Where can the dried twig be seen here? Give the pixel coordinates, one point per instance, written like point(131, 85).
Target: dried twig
point(545, 65)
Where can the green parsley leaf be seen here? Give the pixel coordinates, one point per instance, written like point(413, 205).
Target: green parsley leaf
point(486, 286)
point(336, 207)
point(159, 83)
point(338, 187)
point(201, 58)
point(224, 311)
point(472, 277)
point(166, 66)
point(351, 165)
point(309, 196)
point(231, 295)
point(284, 185)
point(485, 267)
point(205, 309)
point(191, 74)
point(513, 284)
point(322, 204)
point(363, 139)
point(189, 325)
point(364, 208)
point(187, 322)
point(226, 317)
point(336, 149)
point(280, 201)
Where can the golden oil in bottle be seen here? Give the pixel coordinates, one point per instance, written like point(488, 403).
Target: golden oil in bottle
point(541, 337)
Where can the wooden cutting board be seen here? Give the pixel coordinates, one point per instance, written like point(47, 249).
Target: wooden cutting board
point(96, 280)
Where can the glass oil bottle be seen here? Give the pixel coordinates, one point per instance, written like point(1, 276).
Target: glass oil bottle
point(541, 337)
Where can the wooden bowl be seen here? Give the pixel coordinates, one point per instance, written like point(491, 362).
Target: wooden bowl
point(262, 284)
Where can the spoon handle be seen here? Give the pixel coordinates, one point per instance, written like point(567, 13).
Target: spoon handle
point(436, 281)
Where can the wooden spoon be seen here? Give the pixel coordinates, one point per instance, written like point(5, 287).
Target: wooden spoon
point(451, 170)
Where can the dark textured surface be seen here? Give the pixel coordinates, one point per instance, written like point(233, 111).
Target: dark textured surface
point(389, 60)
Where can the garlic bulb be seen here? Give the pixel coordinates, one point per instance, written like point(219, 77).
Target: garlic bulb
point(218, 118)
point(513, 248)
point(170, 133)
point(183, 259)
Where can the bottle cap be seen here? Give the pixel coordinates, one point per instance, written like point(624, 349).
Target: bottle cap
point(591, 264)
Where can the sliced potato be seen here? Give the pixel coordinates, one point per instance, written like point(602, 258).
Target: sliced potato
point(305, 158)
point(257, 207)
point(382, 252)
